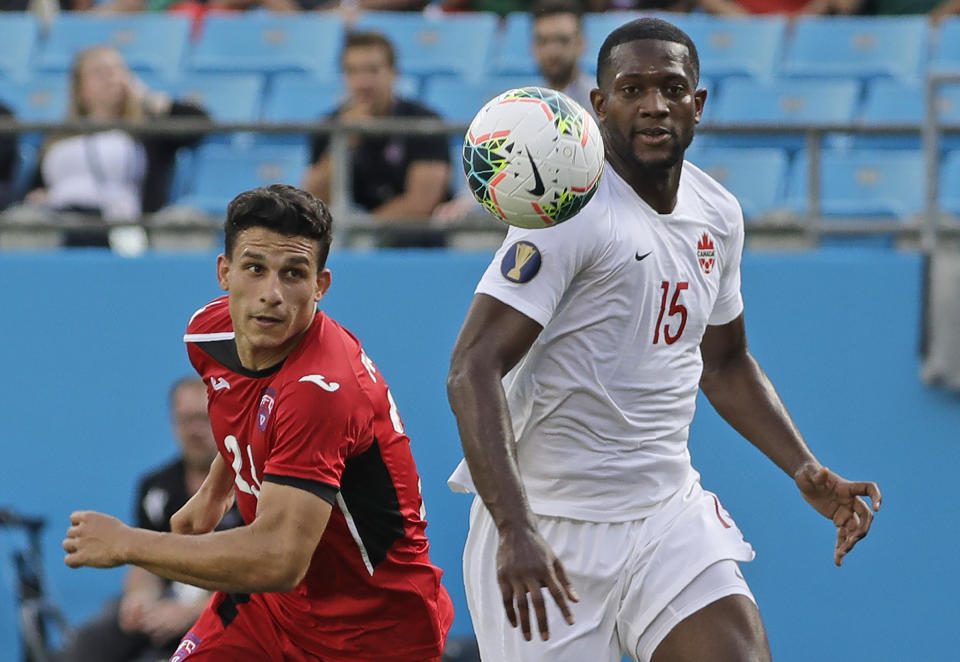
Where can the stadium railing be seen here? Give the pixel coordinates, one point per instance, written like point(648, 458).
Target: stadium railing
point(925, 230)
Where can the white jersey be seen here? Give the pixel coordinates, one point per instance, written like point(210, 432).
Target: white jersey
point(602, 402)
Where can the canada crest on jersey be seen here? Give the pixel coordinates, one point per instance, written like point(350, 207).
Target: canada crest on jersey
point(266, 407)
point(706, 254)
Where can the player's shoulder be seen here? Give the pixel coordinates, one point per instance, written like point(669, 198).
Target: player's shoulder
point(322, 368)
point(213, 318)
point(713, 194)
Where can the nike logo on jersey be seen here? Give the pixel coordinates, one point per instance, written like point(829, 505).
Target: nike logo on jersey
point(219, 383)
point(319, 380)
point(640, 257)
point(538, 189)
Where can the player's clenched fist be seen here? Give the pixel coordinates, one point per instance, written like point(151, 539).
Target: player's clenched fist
point(93, 540)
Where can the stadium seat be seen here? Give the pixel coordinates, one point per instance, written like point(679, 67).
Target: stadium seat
point(227, 97)
point(862, 183)
point(298, 97)
point(949, 186)
point(946, 52)
point(514, 54)
point(18, 33)
point(457, 44)
point(858, 46)
point(41, 98)
point(148, 42)
point(596, 27)
point(781, 102)
point(219, 172)
point(738, 46)
point(891, 101)
point(268, 43)
point(756, 176)
point(459, 100)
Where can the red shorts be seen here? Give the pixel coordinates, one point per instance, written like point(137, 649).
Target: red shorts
point(240, 628)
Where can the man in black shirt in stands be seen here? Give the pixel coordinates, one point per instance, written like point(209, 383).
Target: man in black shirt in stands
point(395, 178)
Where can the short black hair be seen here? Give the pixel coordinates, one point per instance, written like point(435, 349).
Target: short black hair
point(543, 8)
point(284, 209)
point(188, 380)
point(367, 39)
point(646, 28)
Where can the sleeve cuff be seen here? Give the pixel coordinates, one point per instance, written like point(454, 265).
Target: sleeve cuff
point(325, 491)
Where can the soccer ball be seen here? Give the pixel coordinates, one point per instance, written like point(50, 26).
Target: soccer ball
point(533, 157)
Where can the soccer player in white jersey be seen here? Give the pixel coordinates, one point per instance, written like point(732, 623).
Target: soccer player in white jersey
point(574, 381)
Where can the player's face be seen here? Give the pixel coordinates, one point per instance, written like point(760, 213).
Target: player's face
point(369, 77)
point(557, 43)
point(648, 103)
point(192, 425)
point(274, 287)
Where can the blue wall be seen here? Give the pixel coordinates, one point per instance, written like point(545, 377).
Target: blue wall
point(89, 344)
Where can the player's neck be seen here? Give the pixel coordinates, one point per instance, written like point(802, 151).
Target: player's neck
point(656, 186)
point(261, 358)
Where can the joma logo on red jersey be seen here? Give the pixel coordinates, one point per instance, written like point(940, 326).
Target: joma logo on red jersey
point(706, 255)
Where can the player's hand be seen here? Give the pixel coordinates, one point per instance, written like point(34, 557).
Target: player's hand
point(199, 514)
point(94, 540)
point(168, 619)
point(525, 564)
point(841, 501)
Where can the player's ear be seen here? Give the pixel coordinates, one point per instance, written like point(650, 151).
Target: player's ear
point(223, 267)
point(599, 104)
point(699, 99)
point(324, 278)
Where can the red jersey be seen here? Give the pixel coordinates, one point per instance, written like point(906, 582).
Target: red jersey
point(325, 421)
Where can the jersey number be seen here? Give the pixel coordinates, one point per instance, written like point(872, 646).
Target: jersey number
point(234, 447)
point(675, 309)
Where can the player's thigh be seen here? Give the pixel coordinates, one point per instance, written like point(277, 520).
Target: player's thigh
point(593, 563)
point(713, 617)
point(232, 628)
point(727, 630)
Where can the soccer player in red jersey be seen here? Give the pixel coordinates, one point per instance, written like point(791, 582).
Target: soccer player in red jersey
point(333, 561)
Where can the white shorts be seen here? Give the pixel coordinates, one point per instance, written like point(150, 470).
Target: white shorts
point(636, 580)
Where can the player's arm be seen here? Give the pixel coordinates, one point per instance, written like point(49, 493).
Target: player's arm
point(745, 397)
point(204, 510)
point(425, 185)
point(271, 554)
point(493, 339)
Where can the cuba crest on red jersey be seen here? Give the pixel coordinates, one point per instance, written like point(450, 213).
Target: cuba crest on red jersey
point(706, 254)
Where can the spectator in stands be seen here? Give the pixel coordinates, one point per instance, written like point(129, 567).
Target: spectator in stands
point(557, 46)
point(395, 178)
point(151, 616)
point(8, 161)
point(110, 174)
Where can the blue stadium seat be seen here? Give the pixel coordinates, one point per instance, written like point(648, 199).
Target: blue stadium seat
point(18, 33)
point(596, 27)
point(148, 42)
point(891, 101)
point(741, 46)
point(227, 97)
point(267, 43)
point(858, 46)
point(514, 54)
point(781, 102)
point(299, 97)
point(458, 44)
point(756, 176)
point(887, 183)
point(946, 52)
point(949, 185)
point(42, 98)
point(459, 100)
point(220, 172)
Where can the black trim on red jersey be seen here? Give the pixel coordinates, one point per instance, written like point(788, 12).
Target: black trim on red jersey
point(225, 353)
point(325, 491)
point(227, 610)
point(371, 497)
